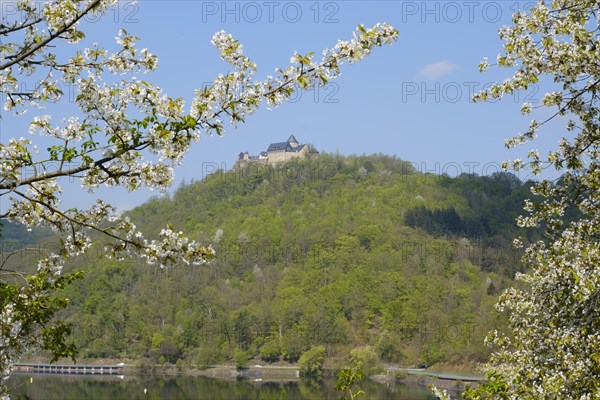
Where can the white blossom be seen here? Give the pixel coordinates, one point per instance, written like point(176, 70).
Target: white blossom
point(553, 346)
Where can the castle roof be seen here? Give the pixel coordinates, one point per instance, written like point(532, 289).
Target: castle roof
point(285, 146)
point(279, 146)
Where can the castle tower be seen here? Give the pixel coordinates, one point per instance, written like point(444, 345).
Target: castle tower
point(293, 142)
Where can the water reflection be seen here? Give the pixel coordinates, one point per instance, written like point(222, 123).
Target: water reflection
point(64, 387)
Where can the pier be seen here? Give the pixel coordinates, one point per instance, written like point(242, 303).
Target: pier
point(69, 369)
point(449, 377)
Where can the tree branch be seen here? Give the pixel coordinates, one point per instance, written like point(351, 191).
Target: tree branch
point(50, 38)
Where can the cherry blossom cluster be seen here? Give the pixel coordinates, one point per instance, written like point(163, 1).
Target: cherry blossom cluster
point(10, 335)
point(553, 346)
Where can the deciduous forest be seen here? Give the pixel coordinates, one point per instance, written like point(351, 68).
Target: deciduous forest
point(356, 253)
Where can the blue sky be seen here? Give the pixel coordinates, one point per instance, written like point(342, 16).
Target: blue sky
point(411, 99)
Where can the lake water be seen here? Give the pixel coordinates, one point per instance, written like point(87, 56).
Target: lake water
point(65, 387)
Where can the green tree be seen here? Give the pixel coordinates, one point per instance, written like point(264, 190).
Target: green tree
point(271, 349)
point(365, 359)
point(386, 347)
point(311, 362)
point(552, 348)
point(129, 133)
point(293, 345)
point(241, 359)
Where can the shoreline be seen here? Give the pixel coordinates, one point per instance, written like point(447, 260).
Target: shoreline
point(290, 372)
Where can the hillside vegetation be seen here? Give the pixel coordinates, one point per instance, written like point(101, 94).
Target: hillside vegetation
point(357, 252)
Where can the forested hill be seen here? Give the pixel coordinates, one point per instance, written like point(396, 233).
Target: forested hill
point(339, 251)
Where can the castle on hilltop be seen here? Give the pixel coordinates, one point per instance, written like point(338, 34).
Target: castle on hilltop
point(277, 153)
